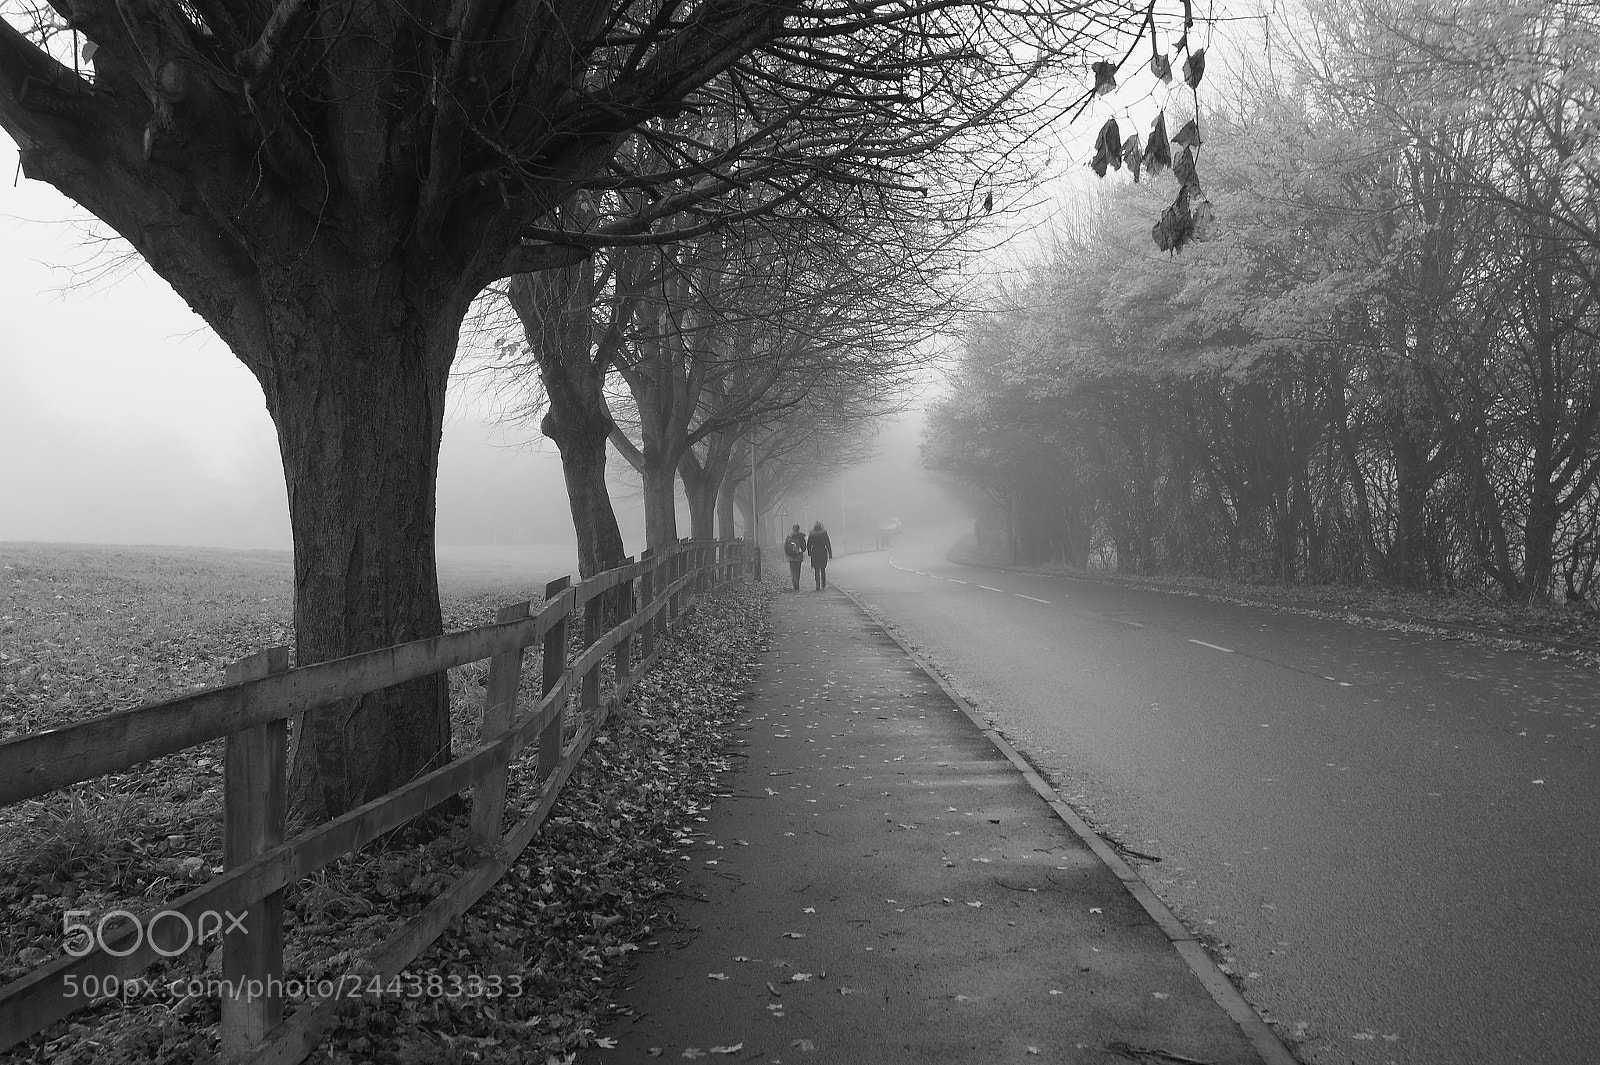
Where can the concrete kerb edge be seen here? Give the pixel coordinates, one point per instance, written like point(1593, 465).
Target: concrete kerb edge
point(1260, 1034)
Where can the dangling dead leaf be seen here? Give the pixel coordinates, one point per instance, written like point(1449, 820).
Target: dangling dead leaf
point(1161, 67)
point(1189, 135)
point(1105, 77)
point(1194, 68)
point(1131, 156)
point(1158, 150)
point(1204, 219)
point(1111, 143)
point(1176, 225)
point(1184, 170)
point(1101, 160)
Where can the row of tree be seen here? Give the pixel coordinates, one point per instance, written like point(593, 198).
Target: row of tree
point(331, 185)
point(791, 335)
point(1385, 366)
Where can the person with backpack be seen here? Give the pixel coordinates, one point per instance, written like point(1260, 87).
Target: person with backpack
point(821, 549)
point(794, 549)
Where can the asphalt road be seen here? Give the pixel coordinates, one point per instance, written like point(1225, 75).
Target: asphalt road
point(1392, 838)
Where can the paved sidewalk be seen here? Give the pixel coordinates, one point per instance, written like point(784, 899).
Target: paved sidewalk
point(885, 886)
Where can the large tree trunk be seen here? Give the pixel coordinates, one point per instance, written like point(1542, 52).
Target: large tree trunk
point(594, 519)
point(660, 501)
point(554, 307)
point(725, 523)
point(701, 482)
point(357, 394)
point(702, 510)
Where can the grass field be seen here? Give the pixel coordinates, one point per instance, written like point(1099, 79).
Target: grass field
point(85, 630)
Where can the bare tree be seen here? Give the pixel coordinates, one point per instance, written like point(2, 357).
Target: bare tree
point(329, 185)
point(749, 326)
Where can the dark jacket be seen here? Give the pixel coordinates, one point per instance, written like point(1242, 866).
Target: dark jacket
point(795, 538)
point(819, 547)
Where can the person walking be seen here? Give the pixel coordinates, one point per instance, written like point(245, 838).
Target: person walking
point(820, 548)
point(794, 549)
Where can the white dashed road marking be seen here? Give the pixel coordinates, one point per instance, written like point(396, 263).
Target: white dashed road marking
point(986, 588)
point(1031, 599)
point(1214, 647)
point(1130, 624)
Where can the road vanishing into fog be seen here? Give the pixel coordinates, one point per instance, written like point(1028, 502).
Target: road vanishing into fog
point(1392, 838)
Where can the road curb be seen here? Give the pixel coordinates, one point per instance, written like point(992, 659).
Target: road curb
point(1168, 588)
point(1260, 1034)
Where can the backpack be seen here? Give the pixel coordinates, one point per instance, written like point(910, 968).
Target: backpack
point(793, 548)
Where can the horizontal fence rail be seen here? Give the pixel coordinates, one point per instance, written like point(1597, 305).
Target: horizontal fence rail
point(252, 709)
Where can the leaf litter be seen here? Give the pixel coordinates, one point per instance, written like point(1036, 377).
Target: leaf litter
point(92, 630)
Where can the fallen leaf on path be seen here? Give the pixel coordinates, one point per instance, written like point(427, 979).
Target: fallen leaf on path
point(606, 1042)
point(734, 1049)
point(718, 976)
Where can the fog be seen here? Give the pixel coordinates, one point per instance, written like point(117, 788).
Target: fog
point(124, 420)
point(88, 481)
point(891, 486)
point(78, 472)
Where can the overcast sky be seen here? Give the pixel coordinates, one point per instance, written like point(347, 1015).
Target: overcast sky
point(123, 419)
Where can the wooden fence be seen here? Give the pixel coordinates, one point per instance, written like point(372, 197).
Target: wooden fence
point(252, 710)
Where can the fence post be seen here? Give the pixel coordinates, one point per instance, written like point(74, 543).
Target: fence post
point(674, 571)
point(555, 664)
point(255, 807)
point(499, 697)
point(647, 587)
point(594, 626)
point(623, 656)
